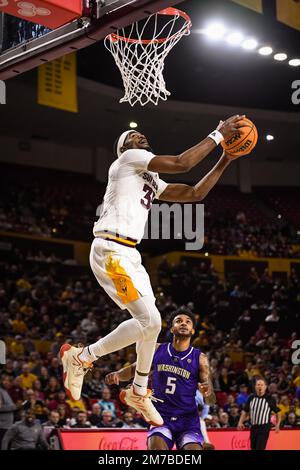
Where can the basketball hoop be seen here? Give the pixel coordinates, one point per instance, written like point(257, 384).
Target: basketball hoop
point(141, 61)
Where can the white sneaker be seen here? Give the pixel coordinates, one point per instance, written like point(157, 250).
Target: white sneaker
point(74, 370)
point(142, 404)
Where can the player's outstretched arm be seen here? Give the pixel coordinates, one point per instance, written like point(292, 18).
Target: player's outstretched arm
point(190, 158)
point(122, 375)
point(206, 386)
point(185, 193)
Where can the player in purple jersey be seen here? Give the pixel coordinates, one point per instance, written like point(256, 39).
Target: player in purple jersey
point(178, 371)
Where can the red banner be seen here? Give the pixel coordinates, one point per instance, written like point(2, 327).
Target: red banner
point(115, 439)
point(49, 13)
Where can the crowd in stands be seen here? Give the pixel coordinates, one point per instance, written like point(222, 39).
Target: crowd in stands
point(246, 328)
point(235, 223)
point(246, 324)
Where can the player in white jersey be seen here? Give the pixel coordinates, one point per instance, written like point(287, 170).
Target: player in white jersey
point(133, 184)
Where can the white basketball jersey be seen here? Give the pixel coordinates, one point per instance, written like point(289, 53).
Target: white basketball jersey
point(129, 195)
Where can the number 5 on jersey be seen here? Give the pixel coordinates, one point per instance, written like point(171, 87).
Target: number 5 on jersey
point(171, 385)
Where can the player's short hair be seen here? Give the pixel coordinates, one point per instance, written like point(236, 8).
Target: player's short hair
point(182, 311)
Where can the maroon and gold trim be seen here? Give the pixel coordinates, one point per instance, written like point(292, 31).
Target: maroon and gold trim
point(117, 238)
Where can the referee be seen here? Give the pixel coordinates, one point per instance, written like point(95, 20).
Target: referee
point(259, 406)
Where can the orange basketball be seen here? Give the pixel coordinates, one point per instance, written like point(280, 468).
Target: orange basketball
point(243, 141)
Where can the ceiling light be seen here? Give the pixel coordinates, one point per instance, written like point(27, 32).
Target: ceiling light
point(215, 31)
point(294, 62)
point(133, 125)
point(234, 39)
point(265, 50)
point(250, 44)
point(280, 57)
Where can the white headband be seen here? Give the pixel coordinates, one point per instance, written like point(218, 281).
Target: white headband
point(121, 142)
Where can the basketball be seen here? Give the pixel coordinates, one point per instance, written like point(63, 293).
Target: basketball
point(243, 141)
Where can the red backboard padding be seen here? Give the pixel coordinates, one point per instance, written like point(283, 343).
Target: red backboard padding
point(49, 13)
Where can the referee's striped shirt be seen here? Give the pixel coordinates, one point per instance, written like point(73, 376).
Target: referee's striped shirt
point(260, 409)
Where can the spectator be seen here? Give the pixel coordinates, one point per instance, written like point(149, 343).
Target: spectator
point(107, 403)
point(59, 341)
point(94, 387)
point(60, 399)
point(18, 324)
point(8, 369)
point(212, 421)
point(233, 416)
point(296, 407)
point(63, 416)
point(242, 397)
point(16, 392)
point(52, 423)
point(260, 334)
point(27, 378)
point(89, 324)
point(128, 422)
point(53, 419)
point(291, 421)
point(245, 317)
point(52, 388)
point(224, 420)
point(76, 405)
point(108, 421)
point(282, 384)
point(81, 421)
point(284, 406)
point(55, 368)
point(274, 317)
point(25, 435)
point(37, 406)
point(230, 401)
point(44, 377)
point(95, 417)
point(225, 380)
point(7, 408)
point(16, 347)
point(37, 388)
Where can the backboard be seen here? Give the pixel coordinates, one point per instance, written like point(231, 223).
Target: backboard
point(25, 45)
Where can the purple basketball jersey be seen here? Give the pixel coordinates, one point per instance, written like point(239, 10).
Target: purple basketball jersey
point(175, 380)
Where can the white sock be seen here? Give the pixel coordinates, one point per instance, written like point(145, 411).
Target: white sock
point(128, 332)
point(140, 383)
point(87, 355)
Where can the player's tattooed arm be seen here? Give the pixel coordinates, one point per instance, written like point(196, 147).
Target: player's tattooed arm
point(206, 386)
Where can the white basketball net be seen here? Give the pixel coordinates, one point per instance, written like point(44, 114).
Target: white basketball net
point(141, 61)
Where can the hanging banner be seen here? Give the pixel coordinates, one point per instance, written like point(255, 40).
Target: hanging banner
point(255, 5)
point(288, 12)
point(57, 83)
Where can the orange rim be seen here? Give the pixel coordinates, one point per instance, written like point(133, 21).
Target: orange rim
point(167, 12)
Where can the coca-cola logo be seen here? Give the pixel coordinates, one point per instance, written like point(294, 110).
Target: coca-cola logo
point(240, 443)
point(126, 443)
